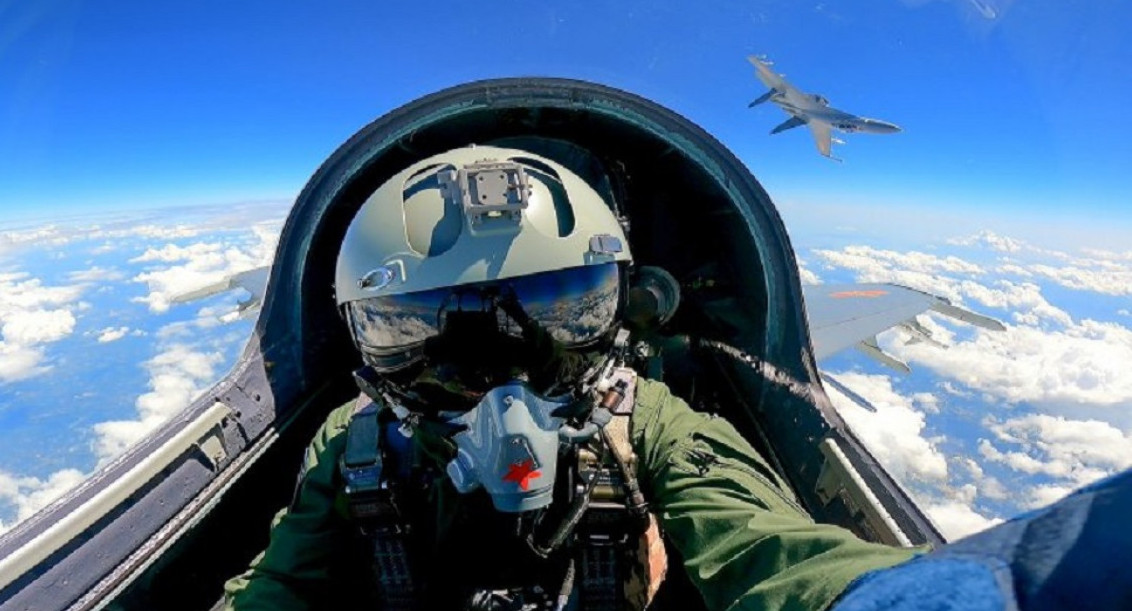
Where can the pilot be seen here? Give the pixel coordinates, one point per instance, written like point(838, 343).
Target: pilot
point(506, 450)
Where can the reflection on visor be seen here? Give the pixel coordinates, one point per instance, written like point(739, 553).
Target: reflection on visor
point(576, 305)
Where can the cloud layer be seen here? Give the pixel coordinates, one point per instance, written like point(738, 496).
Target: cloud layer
point(1054, 387)
point(188, 348)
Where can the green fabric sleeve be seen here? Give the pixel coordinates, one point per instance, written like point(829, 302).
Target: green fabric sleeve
point(295, 569)
point(745, 541)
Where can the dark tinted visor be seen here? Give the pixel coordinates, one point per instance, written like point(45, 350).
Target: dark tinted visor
point(576, 305)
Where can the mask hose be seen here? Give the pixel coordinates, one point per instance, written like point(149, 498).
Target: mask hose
point(570, 521)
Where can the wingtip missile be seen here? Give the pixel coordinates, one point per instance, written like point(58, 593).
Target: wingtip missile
point(254, 281)
point(202, 292)
point(985, 322)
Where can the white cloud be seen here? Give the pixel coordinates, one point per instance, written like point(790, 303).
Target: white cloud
point(948, 277)
point(1045, 495)
point(115, 232)
point(1075, 451)
point(56, 235)
point(983, 484)
point(991, 240)
point(1014, 268)
point(1114, 279)
point(921, 271)
point(31, 315)
point(1083, 364)
point(18, 291)
point(96, 274)
point(894, 434)
point(177, 376)
point(20, 362)
point(49, 235)
point(950, 388)
point(1025, 296)
point(160, 232)
point(807, 276)
point(38, 326)
point(202, 253)
point(869, 260)
point(957, 519)
point(1108, 255)
point(111, 334)
point(1097, 270)
point(30, 494)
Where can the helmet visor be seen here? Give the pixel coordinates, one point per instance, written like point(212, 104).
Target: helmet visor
point(577, 306)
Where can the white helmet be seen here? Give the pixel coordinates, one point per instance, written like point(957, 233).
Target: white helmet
point(470, 221)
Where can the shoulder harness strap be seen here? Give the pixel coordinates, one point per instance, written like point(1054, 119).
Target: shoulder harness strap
point(622, 559)
point(372, 505)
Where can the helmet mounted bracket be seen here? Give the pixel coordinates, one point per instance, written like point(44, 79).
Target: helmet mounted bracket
point(492, 194)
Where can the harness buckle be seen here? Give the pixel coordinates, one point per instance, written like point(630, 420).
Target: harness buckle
point(605, 524)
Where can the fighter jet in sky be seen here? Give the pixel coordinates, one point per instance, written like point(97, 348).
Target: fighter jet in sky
point(812, 110)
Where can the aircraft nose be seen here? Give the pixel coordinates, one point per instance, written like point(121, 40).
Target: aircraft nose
point(882, 127)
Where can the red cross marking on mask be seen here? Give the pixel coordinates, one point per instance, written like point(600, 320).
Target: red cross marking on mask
point(522, 473)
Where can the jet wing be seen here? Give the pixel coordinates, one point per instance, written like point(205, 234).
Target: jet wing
point(844, 316)
point(823, 138)
point(768, 76)
point(253, 281)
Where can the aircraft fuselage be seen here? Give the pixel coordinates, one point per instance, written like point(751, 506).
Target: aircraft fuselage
point(816, 109)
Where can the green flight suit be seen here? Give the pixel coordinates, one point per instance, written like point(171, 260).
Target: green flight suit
point(745, 541)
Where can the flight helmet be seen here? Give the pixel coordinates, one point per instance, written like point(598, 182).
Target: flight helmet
point(463, 237)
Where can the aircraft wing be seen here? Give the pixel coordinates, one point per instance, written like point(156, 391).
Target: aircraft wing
point(844, 316)
point(823, 138)
point(254, 281)
point(771, 78)
point(766, 75)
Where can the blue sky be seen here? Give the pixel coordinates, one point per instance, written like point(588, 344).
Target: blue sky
point(131, 104)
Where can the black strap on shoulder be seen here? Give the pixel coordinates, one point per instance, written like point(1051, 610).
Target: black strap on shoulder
point(372, 505)
point(362, 435)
